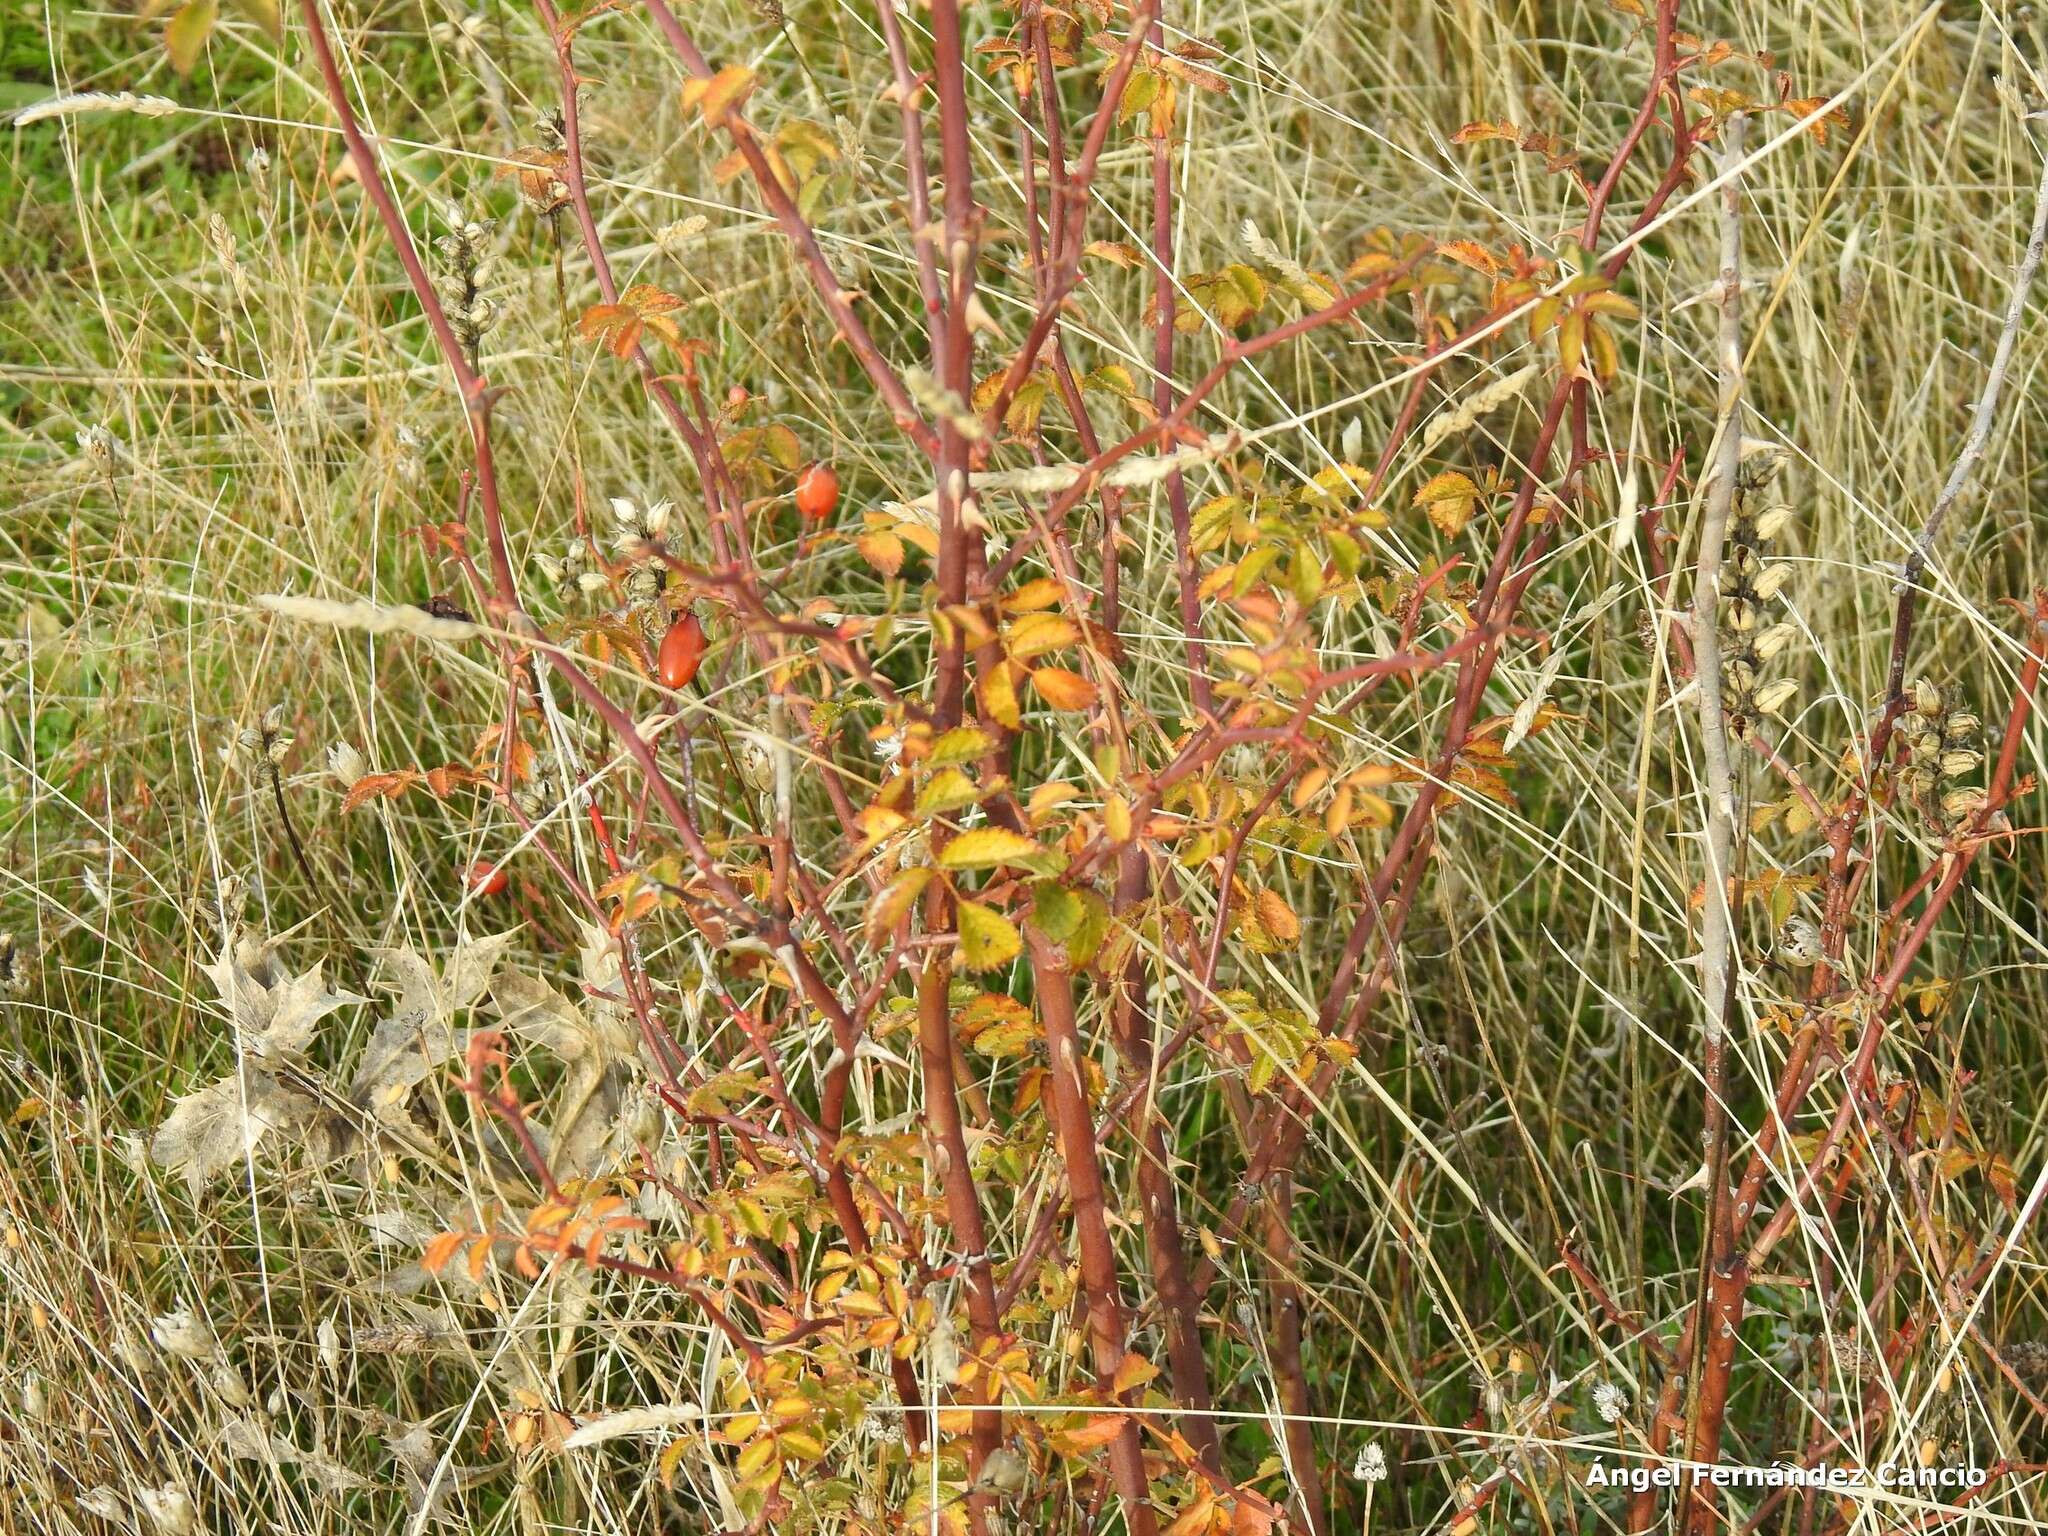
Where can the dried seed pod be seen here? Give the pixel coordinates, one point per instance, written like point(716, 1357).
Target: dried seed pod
point(1926, 697)
point(1773, 697)
point(1961, 803)
point(1775, 639)
point(1773, 522)
point(1758, 465)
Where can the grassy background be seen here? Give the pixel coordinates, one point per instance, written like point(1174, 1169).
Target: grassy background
point(280, 423)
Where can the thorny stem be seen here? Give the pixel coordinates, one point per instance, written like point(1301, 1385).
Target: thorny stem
point(1106, 1327)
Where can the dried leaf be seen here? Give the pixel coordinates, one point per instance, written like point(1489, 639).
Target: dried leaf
point(418, 1039)
point(276, 1015)
point(221, 1125)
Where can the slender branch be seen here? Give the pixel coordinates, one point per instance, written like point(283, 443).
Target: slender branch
point(1981, 423)
point(837, 299)
point(1723, 1278)
point(1106, 1327)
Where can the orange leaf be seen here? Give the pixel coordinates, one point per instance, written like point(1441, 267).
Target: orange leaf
point(440, 1250)
point(371, 786)
point(1135, 1371)
point(1063, 689)
point(1097, 1431)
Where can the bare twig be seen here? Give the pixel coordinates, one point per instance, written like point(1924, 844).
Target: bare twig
point(1722, 1277)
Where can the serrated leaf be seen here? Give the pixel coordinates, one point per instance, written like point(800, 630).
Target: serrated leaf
point(987, 847)
point(1085, 942)
point(275, 1014)
point(893, 902)
point(1095, 1432)
point(1055, 910)
point(947, 790)
point(1010, 1038)
point(1035, 634)
point(418, 1037)
point(1449, 499)
point(220, 1125)
point(883, 549)
point(1276, 919)
point(962, 744)
point(1063, 689)
point(996, 688)
point(987, 938)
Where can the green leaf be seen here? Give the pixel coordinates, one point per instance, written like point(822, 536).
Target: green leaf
point(1055, 910)
point(1305, 574)
point(1086, 939)
point(987, 938)
point(1345, 554)
point(1252, 567)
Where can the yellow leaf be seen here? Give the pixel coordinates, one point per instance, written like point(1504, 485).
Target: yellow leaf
point(1277, 918)
point(893, 902)
point(1116, 819)
point(1037, 633)
point(756, 1457)
point(1450, 499)
point(987, 938)
point(1039, 592)
point(997, 690)
point(1096, 1431)
point(948, 790)
point(185, 38)
point(986, 847)
point(715, 99)
point(1114, 251)
point(883, 550)
point(1135, 1371)
point(265, 14)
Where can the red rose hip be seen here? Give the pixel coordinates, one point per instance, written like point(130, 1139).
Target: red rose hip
point(682, 651)
point(817, 492)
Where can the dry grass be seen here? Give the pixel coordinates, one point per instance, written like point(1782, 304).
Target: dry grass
point(279, 422)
